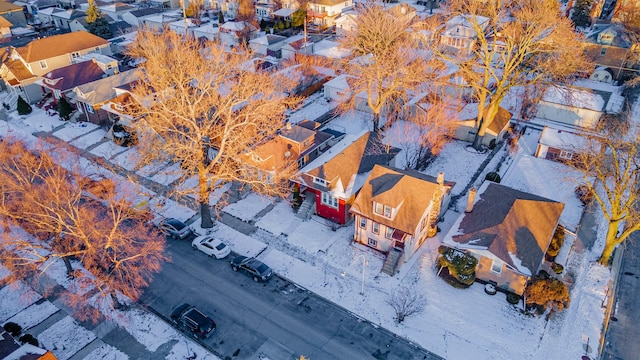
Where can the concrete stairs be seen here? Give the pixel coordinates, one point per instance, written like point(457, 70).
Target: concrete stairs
point(306, 208)
point(392, 261)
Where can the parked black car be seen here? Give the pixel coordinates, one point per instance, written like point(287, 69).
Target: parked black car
point(175, 228)
point(252, 266)
point(188, 318)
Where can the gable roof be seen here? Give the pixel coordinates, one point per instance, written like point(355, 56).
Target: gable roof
point(69, 14)
point(19, 71)
point(5, 23)
point(408, 191)
point(57, 45)
point(68, 77)
point(514, 226)
point(346, 165)
point(6, 6)
point(103, 90)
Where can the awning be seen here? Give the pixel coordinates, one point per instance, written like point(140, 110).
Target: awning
point(284, 12)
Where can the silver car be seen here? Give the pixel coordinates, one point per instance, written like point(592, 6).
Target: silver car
point(175, 228)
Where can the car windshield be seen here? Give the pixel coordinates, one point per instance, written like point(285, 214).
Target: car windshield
point(221, 246)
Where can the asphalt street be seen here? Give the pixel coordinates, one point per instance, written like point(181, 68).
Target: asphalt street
point(276, 320)
point(621, 341)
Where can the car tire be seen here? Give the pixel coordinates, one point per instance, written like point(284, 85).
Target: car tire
point(235, 268)
point(194, 247)
point(256, 279)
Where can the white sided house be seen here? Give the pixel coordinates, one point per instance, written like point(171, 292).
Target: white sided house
point(397, 210)
point(559, 145)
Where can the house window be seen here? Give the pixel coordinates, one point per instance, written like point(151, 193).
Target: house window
point(75, 55)
point(43, 64)
point(496, 267)
point(89, 108)
point(603, 51)
point(383, 210)
point(329, 200)
point(389, 232)
point(319, 181)
point(375, 228)
point(372, 242)
point(363, 223)
point(565, 154)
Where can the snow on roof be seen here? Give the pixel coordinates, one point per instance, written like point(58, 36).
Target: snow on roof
point(561, 139)
point(330, 49)
point(207, 29)
point(284, 12)
point(232, 26)
point(615, 102)
point(339, 82)
point(575, 97)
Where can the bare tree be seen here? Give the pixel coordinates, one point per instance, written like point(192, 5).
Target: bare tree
point(116, 251)
point(518, 43)
point(611, 172)
point(406, 302)
point(385, 63)
point(203, 106)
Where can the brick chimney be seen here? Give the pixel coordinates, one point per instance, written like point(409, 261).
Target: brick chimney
point(470, 200)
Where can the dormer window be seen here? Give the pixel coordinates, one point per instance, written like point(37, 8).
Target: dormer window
point(319, 181)
point(381, 209)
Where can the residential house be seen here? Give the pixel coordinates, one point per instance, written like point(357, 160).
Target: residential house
point(116, 10)
point(345, 22)
point(296, 44)
point(397, 210)
point(283, 15)
point(330, 182)
point(134, 17)
point(291, 149)
point(403, 10)
point(579, 106)
point(157, 22)
point(559, 145)
point(46, 15)
point(268, 45)
point(466, 128)
point(338, 89)
point(63, 80)
point(508, 231)
point(5, 27)
point(265, 9)
point(608, 45)
point(61, 19)
point(232, 31)
point(24, 65)
point(304, 80)
point(603, 74)
point(323, 13)
point(13, 13)
point(210, 31)
point(11, 349)
point(330, 50)
point(93, 99)
point(459, 33)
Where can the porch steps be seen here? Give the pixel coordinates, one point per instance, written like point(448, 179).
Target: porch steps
point(306, 208)
point(11, 101)
point(391, 262)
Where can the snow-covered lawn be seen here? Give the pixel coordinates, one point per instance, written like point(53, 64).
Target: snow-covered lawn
point(247, 208)
point(108, 150)
point(74, 130)
point(65, 338)
point(106, 352)
point(34, 314)
point(90, 138)
point(14, 298)
point(148, 329)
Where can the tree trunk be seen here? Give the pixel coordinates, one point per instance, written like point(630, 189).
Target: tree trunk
point(477, 141)
point(611, 242)
point(376, 122)
point(67, 264)
point(205, 215)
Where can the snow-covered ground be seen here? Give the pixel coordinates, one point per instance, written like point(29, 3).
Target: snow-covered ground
point(456, 324)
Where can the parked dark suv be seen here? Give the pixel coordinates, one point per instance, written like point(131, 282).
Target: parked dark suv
point(188, 318)
point(252, 266)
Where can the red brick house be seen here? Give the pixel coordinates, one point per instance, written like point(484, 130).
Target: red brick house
point(331, 182)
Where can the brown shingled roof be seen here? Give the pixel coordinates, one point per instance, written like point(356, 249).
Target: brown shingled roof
point(513, 225)
point(410, 192)
point(6, 6)
point(19, 70)
point(57, 45)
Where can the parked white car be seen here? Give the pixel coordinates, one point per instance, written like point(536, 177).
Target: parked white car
point(211, 246)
